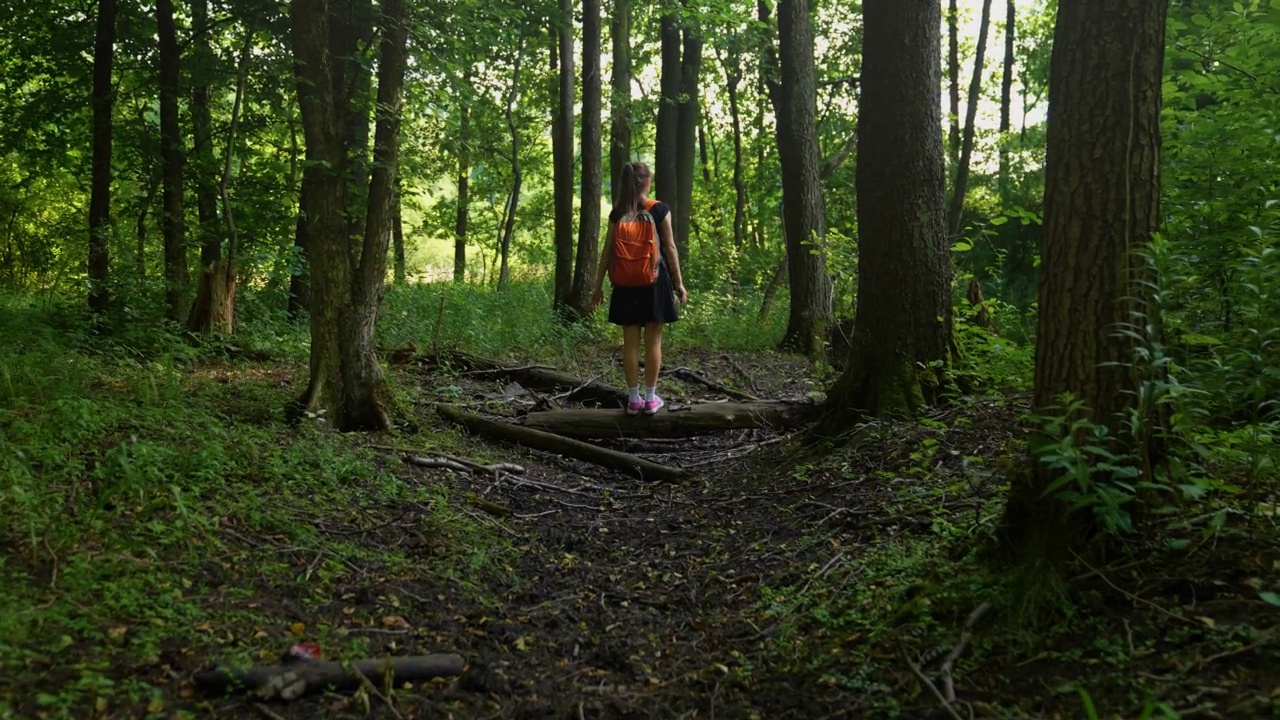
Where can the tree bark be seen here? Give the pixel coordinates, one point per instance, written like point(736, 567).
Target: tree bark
point(690, 421)
point(1006, 97)
point(811, 293)
point(956, 214)
point(686, 140)
point(667, 128)
point(205, 165)
point(347, 390)
point(351, 37)
point(171, 156)
point(463, 214)
point(103, 101)
point(620, 96)
point(588, 255)
point(508, 227)
point(562, 158)
point(397, 237)
point(903, 337)
point(733, 78)
point(1101, 210)
point(953, 86)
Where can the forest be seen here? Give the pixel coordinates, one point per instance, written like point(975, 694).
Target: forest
point(307, 409)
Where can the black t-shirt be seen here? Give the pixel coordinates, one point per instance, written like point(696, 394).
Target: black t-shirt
point(659, 212)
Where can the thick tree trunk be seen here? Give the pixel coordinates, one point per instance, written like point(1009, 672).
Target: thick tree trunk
point(1006, 97)
point(903, 338)
point(803, 210)
point(171, 155)
point(103, 102)
point(1101, 209)
point(351, 40)
point(666, 182)
point(562, 158)
point(584, 266)
point(462, 216)
point(955, 215)
point(347, 390)
point(620, 96)
point(686, 136)
point(953, 84)
point(205, 165)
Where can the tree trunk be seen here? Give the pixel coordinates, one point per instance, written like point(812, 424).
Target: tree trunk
point(351, 37)
point(103, 102)
point(733, 78)
point(299, 266)
point(214, 306)
point(584, 267)
point(666, 131)
point(172, 221)
point(140, 229)
point(397, 238)
point(347, 390)
point(803, 210)
point(620, 96)
point(508, 226)
point(1101, 209)
point(953, 85)
point(903, 337)
point(1006, 98)
point(956, 214)
point(562, 158)
point(686, 140)
point(463, 214)
point(205, 165)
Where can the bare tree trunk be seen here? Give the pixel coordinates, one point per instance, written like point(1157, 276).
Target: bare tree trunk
point(171, 152)
point(208, 234)
point(1101, 209)
point(103, 102)
point(397, 238)
point(803, 209)
point(686, 140)
point(955, 215)
point(666, 131)
point(904, 339)
point(463, 216)
point(620, 97)
point(508, 225)
point(140, 228)
point(1006, 97)
point(592, 161)
point(562, 158)
point(733, 78)
point(299, 270)
point(953, 86)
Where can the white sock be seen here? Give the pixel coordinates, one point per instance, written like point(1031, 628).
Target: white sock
point(634, 393)
point(650, 393)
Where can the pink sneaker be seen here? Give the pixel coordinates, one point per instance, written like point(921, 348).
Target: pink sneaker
point(653, 406)
point(634, 408)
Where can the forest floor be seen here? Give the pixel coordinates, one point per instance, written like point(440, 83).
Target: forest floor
point(781, 582)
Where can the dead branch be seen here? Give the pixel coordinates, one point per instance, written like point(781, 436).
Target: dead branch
point(534, 376)
point(292, 681)
point(926, 684)
point(948, 684)
point(751, 383)
point(548, 442)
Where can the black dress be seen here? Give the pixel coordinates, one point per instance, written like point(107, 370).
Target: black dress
point(644, 305)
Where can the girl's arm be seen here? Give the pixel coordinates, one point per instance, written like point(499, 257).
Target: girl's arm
point(673, 258)
point(606, 259)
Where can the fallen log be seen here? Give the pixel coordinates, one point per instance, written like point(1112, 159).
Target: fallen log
point(536, 377)
point(622, 462)
point(692, 420)
point(291, 681)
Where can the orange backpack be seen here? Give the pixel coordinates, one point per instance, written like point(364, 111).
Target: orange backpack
point(635, 249)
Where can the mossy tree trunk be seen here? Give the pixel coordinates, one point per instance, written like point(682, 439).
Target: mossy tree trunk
point(347, 389)
point(903, 336)
point(1101, 208)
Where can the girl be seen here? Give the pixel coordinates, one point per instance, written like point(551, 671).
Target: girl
point(649, 307)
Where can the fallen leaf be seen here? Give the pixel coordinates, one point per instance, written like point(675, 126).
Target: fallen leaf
point(396, 622)
point(297, 628)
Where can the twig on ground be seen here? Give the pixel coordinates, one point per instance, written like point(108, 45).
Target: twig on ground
point(690, 375)
point(822, 573)
point(751, 383)
point(1167, 613)
point(948, 684)
point(926, 684)
point(373, 689)
point(266, 712)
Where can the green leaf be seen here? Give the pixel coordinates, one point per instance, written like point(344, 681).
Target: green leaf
point(1266, 595)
